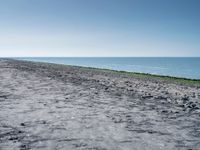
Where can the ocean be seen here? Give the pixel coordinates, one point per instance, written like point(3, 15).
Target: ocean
point(186, 67)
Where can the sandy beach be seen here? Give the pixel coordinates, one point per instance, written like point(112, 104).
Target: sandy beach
point(57, 107)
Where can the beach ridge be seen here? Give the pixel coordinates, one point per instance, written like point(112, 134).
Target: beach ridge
point(58, 106)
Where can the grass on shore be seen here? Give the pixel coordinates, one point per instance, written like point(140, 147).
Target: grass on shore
point(185, 81)
point(169, 79)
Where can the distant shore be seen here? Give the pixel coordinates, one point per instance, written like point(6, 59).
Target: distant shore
point(51, 106)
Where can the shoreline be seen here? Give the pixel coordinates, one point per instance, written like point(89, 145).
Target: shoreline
point(53, 106)
point(178, 80)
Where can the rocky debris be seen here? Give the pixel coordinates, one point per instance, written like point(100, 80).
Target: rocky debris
point(56, 106)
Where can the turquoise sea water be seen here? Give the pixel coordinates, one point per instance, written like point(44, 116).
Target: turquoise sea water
point(178, 67)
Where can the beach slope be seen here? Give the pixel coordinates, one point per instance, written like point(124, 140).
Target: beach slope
point(49, 106)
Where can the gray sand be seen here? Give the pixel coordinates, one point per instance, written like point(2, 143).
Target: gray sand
point(55, 107)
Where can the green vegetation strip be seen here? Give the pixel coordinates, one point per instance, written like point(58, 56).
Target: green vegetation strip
point(171, 79)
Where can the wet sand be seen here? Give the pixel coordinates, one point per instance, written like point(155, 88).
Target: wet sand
point(57, 107)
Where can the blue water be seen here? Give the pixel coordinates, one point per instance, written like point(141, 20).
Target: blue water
point(178, 67)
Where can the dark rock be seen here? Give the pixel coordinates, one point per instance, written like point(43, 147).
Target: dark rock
point(19, 131)
point(164, 111)
point(4, 96)
point(13, 138)
point(106, 88)
point(22, 124)
point(182, 105)
point(185, 98)
point(146, 96)
point(23, 147)
point(193, 105)
point(161, 97)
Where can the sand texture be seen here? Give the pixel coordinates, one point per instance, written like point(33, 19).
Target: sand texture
point(57, 107)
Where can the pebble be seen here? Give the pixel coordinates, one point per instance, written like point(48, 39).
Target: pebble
point(22, 124)
point(147, 96)
point(161, 97)
point(106, 88)
point(164, 111)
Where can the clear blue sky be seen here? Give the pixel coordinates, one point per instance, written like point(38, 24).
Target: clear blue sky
point(99, 27)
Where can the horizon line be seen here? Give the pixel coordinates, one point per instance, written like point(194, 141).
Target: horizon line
point(99, 56)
